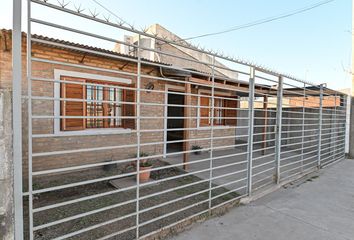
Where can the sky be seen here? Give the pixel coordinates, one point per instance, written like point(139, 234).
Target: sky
point(314, 45)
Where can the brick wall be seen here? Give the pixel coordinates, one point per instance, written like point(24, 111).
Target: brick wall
point(46, 107)
point(205, 132)
point(76, 142)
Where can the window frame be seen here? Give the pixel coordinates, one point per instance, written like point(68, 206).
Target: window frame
point(220, 112)
point(99, 79)
point(204, 92)
point(104, 105)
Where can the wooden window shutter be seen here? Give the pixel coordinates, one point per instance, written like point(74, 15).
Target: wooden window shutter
point(105, 107)
point(204, 112)
point(231, 113)
point(129, 109)
point(72, 108)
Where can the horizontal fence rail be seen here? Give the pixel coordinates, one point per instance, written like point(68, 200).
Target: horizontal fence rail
point(131, 139)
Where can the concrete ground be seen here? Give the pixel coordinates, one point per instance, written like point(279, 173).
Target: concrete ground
point(226, 162)
point(319, 207)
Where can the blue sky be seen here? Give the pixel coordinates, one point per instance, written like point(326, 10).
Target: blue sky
point(315, 45)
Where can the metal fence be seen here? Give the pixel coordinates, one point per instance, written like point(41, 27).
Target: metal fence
point(208, 129)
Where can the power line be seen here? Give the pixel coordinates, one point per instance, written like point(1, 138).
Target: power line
point(243, 26)
point(107, 9)
point(262, 21)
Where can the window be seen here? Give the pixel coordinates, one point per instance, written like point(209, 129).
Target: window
point(219, 112)
point(110, 107)
point(225, 111)
point(102, 106)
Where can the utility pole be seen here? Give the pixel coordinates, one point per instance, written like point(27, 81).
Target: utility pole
point(351, 122)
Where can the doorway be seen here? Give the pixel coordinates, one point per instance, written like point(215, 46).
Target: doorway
point(173, 99)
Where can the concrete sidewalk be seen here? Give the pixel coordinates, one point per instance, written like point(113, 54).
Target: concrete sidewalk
point(321, 207)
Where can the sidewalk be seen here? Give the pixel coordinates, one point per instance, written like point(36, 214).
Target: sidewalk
point(321, 207)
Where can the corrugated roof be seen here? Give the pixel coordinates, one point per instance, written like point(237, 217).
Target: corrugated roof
point(79, 45)
point(83, 46)
point(97, 49)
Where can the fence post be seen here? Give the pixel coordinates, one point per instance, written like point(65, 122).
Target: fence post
point(212, 133)
point(278, 128)
point(17, 116)
point(303, 127)
point(334, 132)
point(320, 128)
point(138, 113)
point(250, 128)
point(29, 121)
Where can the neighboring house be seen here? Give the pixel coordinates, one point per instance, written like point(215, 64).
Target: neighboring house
point(188, 58)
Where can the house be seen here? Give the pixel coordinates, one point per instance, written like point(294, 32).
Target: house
point(99, 116)
point(91, 75)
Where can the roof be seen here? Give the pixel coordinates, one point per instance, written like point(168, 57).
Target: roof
point(110, 52)
point(63, 44)
point(84, 47)
point(79, 45)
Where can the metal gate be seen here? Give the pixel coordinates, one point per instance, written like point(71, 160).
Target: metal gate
point(141, 140)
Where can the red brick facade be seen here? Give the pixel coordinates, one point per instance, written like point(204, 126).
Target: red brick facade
point(79, 141)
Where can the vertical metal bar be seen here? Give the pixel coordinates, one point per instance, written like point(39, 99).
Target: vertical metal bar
point(320, 128)
point(17, 116)
point(29, 110)
point(340, 120)
point(250, 128)
point(265, 122)
point(347, 124)
point(335, 127)
point(303, 128)
point(212, 130)
point(346, 138)
point(138, 82)
point(165, 123)
point(278, 128)
point(186, 123)
point(330, 153)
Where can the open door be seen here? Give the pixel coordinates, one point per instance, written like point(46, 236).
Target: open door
point(175, 120)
